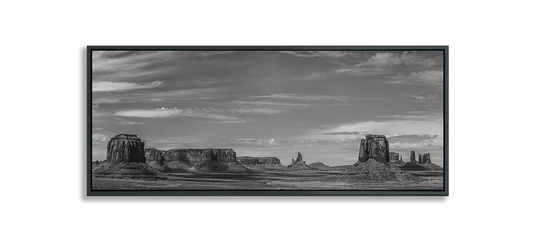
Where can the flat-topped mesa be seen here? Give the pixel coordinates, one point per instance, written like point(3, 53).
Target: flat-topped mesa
point(247, 160)
point(125, 148)
point(374, 147)
point(200, 155)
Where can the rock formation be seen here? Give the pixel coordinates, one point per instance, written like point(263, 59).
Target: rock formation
point(153, 156)
point(419, 158)
point(401, 158)
point(247, 160)
point(426, 158)
point(374, 147)
point(125, 148)
point(200, 155)
point(300, 157)
point(208, 160)
point(299, 163)
point(413, 158)
point(394, 156)
point(125, 159)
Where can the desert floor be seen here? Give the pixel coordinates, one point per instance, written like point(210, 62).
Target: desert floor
point(270, 179)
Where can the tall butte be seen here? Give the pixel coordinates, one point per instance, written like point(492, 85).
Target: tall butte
point(125, 159)
point(374, 147)
point(125, 148)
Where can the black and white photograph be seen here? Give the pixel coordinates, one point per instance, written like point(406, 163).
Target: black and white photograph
point(267, 119)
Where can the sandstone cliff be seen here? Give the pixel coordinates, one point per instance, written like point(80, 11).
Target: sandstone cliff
point(195, 156)
point(247, 160)
point(204, 160)
point(153, 156)
point(374, 147)
point(125, 148)
point(125, 159)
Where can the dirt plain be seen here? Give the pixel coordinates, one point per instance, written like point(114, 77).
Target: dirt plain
point(331, 178)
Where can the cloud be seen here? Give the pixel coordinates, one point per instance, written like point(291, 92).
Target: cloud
point(123, 121)
point(229, 121)
point(123, 100)
point(297, 142)
point(421, 98)
point(268, 103)
point(301, 97)
point(399, 127)
point(413, 137)
point(254, 111)
point(127, 62)
point(426, 76)
point(395, 59)
point(345, 133)
point(207, 113)
point(311, 76)
point(106, 86)
point(211, 53)
point(387, 63)
point(254, 142)
point(321, 54)
point(216, 116)
point(99, 137)
point(418, 144)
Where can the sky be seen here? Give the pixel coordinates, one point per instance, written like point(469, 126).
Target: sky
point(270, 103)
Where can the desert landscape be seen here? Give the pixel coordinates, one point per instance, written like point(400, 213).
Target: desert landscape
point(131, 166)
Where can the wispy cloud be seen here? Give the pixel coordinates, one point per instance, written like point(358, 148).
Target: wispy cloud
point(107, 86)
point(255, 111)
point(211, 53)
point(207, 113)
point(427, 76)
point(123, 121)
point(413, 137)
point(401, 127)
point(99, 137)
point(424, 98)
point(321, 54)
point(269, 103)
point(300, 97)
point(125, 99)
point(127, 61)
point(386, 63)
point(345, 133)
point(218, 116)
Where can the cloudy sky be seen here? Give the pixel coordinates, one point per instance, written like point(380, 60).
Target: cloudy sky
point(266, 103)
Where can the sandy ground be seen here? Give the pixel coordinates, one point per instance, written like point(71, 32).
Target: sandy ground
point(268, 179)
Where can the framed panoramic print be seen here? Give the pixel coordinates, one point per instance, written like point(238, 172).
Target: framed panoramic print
point(267, 120)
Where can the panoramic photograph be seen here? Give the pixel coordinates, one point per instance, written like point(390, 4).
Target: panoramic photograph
point(267, 120)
